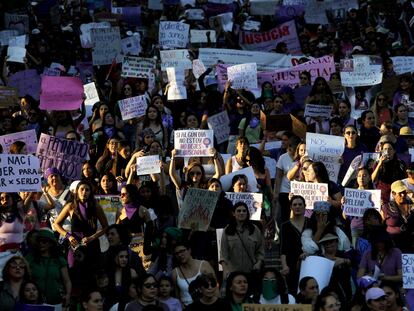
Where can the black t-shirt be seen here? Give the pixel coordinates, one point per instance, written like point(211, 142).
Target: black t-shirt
point(220, 304)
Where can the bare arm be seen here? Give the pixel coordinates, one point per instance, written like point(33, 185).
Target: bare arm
point(104, 225)
point(173, 174)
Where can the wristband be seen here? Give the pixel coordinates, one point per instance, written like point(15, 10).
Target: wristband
point(68, 235)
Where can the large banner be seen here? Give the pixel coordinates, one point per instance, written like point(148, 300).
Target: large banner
point(29, 137)
point(279, 307)
point(66, 155)
point(106, 45)
point(19, 172)
point(254, 202)
point(193, 143)
point(133, 107)
point(197, 209)
point(326, 149)
point(267, 41)
point(173, 35)
point(358, 201)
point(311, 192)
point(61, 93)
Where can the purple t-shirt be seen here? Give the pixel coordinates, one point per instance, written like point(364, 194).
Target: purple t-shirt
point(390, 265)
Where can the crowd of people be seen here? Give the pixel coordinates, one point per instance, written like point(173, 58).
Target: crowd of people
point(59, 250)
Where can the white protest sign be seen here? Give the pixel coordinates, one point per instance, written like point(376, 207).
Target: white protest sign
point(408, 270)
point(317, 267)
point(265, 61)
point(20, 41)
point(148, 165)
point(251, 25)
point(179, 59)
point(137, 67)
point(16, 54)
point(19, 173)
point(357, 201)
point(197, 209)
point(352, 169)
point(220, 124)
point(131, 45)
point(198, 68)
point(29, 137)
point(173, 35)
point(175, 76)
point(176, 92)
point(253, 201)
point(312, 192)
point(226, 20)
point(193, 143)
point(194, 14)
point(106, 45)
point(361, 71)
point(243, 76)
point(403, 64)
point(315, 12)
point(318, 111)
point(248, 172)
point(263, 7)
point(85, 37)
point(133, 107)
point(368, 158)
point(92, 97)
point(6, 35)
point(327, 149)
point(269, 145)
point(201, 36)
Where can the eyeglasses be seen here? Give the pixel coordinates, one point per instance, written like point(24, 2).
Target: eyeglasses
point(196, 173)
point(15, 266)
point(123, 194)
point(150, 285)
point(350, 133)
point(208, 285)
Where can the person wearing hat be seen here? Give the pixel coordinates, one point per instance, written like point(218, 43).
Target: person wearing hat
point(383, 255)
point(399, 215)
point(376, 299)
point(341, 274)
point(409, 181)
point(49, 268)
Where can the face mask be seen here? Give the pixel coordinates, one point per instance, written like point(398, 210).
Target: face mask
point(269, 289)
point(268, 93)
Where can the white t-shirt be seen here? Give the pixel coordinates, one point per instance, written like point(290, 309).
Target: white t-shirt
point(276, 300)
point(285, 163)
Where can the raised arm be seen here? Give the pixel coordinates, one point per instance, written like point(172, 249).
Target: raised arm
point(173, 174)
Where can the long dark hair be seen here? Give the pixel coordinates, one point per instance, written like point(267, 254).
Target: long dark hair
point(158, 120)
point(229, 283)
point(231, 229)
point(91, 215)
point(114, 188)
point(256, 159)
point(133, 194)
point(22, 289)
point(321, 173)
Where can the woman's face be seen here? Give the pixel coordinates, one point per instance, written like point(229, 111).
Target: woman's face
point(379, 304)
point(95, 302)
point(149, 289)
point(320, 85)
point(122, 259)
point(336, 129)
point(6, 199)
point(305, 167)
point(369, 120)
point(148, 139)
point(363, 178)
point(31, 293)
point(208, 289)
point(17, 269)
point(402, 113)
point(331, 304)
point(113, 237)
point(195, 174)
point(297, 207)
point(303, 80)
point(405, 85)
point(155, 149)
point(106, 183)
point(350, 134)
point(302, 150)
point(311, 290)
point(255, 109)
point(278, 104)
point(381, 101)
point(391, 298)
point(389, 150)
point(242, 146)
point(84, 191)
point(145, 193)
point(239, 286)
point(164, 288)
point(102, 110)
point(127, 90)
point(240, 185)
point(125, 199)
point(159, 104)
point(192, 121)
point(109, 119)
point(54, 180)
point(310, 174)
point(215, 186)
point(152, 114)
point(240, 213)
point(343, 110)
point(113, 145)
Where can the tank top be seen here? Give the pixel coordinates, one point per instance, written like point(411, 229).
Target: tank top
point(11, 230)
point(135, 224)
point(183, 284)
point(235, 165)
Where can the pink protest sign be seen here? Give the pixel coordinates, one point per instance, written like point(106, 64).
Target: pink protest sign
point(61, 93)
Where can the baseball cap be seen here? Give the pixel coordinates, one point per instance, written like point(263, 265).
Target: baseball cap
point(374, 293)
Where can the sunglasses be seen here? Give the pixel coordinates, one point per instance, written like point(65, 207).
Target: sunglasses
point(350, 132)
point(208, 285)
point(123, 194)
point(195, 173)
point(150, 285)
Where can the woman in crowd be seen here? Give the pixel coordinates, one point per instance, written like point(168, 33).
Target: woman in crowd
point(394, 300)
point(290, 241)
point(251, 127)
point(207, 286)
point(30, 294)
point(242, 244)
point(327, 302)
point(237, 290)
point(15, 272)
point(153, 121)
point(309, 291)
point(344, 113)
point(111, 160)
point(238, 161)
point(108, 185)
point(90, 174)
point(274, 289)
point(98, 116)
point(84, 213)
point(369, 133)
point(401, 117)
point(381, 109)
point(49, 269)
point(92, 300)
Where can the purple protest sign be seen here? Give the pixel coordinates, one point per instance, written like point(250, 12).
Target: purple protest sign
point(61, 93)
point(26, 82)
point(66, 155)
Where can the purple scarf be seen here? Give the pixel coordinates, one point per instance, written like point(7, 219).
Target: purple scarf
point(82, 208)
point(130, 209)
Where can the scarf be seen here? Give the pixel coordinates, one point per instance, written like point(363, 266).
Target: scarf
point(130, 209)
